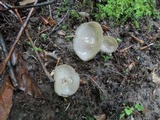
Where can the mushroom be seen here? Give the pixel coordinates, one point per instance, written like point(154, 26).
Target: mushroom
point(88, 40)
point(109, 45)
point(66, 79)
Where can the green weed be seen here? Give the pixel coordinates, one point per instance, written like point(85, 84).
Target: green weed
point(129, 110)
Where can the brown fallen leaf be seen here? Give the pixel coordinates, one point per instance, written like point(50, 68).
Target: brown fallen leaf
point(100, 117)
point(51, 21)
point(104, 27)
point(25, 81)
point(6, 94)
point(29, 86)
point(83, 82)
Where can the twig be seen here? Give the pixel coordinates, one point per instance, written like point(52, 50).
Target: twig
point(11, 72)
point(136, 39)
point(54, 28)
point(17, 39)
point(29, 6)
point(144, 47)
point(94, 82)
point(7, 8)
point(125, 49)
point(42, 64)
point(114, 71)
point(67, 107)
point(50, 13)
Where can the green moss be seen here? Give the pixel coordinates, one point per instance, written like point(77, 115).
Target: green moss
point(122, 10)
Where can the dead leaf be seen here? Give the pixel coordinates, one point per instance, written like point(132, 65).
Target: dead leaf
point(83, 82)
point(155, 78)
point(100, 117)
point(6, 94)
point(29, 86)
point(104, 27)
point(24, 2)
point(25, 81)
point(51, 21)
point(62, 32)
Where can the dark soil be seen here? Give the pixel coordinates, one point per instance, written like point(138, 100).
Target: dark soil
point(123, 80)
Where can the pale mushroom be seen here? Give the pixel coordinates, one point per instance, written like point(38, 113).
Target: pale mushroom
point(66, 79)
point(88, 40)
point(109, 45)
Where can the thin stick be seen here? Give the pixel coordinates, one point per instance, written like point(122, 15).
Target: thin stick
point(17, 39)
point(125, 49)
point(11, 72)
point(7, 8)
point(29, 6)
point(42, 64)
point(136, 39)
point(50, 10)
point(144, 47)
point(94, 82)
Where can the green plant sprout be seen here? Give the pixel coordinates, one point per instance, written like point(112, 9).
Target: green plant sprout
point(119, 40)
point(89, 118)
point(36, 48)
point(129, 110)
point(121, 10)
point(44, 36)
point(106, 57)
point(138, 107)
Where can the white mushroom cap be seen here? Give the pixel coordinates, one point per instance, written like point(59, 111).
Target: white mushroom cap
point(66, 80)
point(109, 45)
point(88, 40)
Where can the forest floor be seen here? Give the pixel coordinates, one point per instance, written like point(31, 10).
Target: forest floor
point(109, 83)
